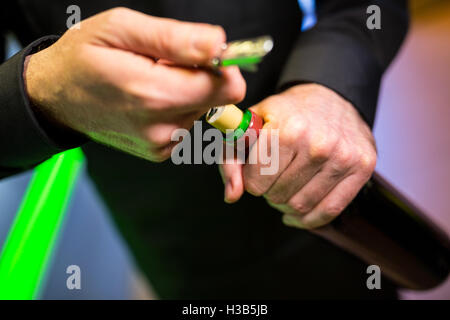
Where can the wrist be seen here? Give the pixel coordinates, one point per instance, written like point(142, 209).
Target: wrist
point(44, 105)
point(34, 83)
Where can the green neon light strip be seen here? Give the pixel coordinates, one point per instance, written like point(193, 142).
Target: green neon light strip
point(31, 239)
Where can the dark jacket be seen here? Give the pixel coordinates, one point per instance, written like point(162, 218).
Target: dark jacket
point(186, 240)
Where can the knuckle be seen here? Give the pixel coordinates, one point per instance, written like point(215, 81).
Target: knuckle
point(165, 38)
point(344, 160)
point(332, 211)
point(117, 15)
point(130, 88)
point(295, 129)
point(253, 187)
point(154, 98)
point(158, 137)
point(154, 105)
point(369, 161)
point(138, 96)
point(276, 199)
point(320, 149)
point(81, 58)
point(300, 207)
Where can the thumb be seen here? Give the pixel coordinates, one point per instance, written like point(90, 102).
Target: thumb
point(232, 178)
point(184, 43)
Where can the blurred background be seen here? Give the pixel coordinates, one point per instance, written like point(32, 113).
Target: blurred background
point(413, 137)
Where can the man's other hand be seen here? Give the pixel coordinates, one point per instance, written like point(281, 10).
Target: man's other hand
point(326, 155)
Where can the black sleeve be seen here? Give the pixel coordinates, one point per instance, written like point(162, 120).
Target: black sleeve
point(23, 142)
point(26, 138)
point(341, 53)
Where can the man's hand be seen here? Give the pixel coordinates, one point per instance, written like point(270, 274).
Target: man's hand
point(104, 82)
point(327, 153)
